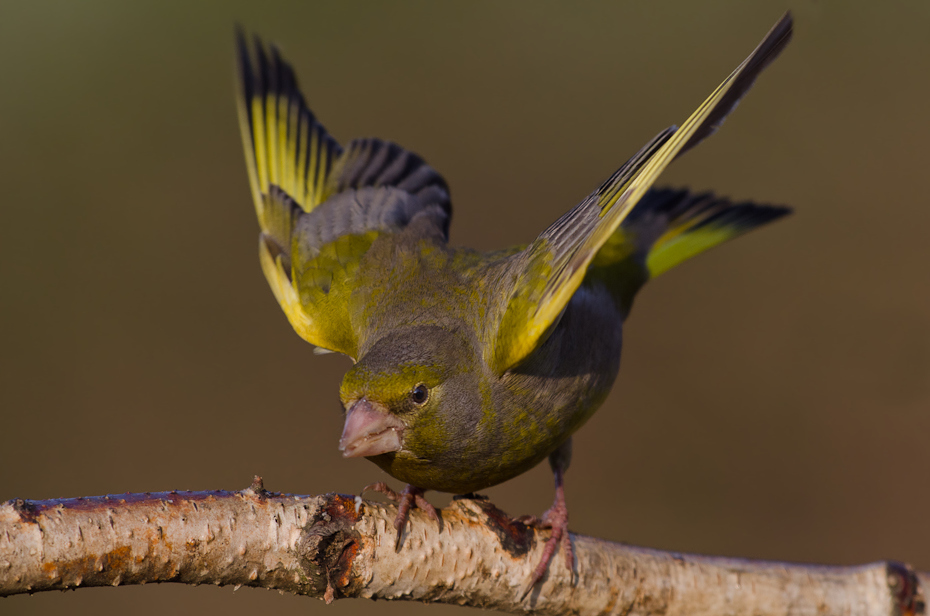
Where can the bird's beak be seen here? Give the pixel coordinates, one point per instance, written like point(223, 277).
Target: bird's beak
point(370, 430)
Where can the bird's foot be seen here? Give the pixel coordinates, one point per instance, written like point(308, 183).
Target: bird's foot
point(410, 497)
point(556, 520)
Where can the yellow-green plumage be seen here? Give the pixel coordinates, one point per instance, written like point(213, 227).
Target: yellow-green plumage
point(514, 349)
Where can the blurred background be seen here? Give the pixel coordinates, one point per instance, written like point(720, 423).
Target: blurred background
point(774, 400)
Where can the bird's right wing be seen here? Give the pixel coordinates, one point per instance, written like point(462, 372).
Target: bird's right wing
point(547, 274)
point(321, 207)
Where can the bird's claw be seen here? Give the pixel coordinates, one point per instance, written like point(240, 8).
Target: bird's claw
point(556, 520)
point(381, 488)
point(410, 497)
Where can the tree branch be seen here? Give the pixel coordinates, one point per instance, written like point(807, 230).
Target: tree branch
point(336, 546)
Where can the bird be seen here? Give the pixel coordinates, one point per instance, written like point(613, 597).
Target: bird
point(469, 367)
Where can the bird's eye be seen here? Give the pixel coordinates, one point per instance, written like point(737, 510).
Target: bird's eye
point(420, 394)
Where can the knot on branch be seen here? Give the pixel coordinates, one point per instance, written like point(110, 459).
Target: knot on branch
point(905, 588)
point(328, 548)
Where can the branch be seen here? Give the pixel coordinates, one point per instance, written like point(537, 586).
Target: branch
point(336, 546)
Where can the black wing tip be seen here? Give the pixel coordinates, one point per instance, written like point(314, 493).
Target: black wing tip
point(243, 60)
point(773, 43)
point(771, 46)
point(785, 26)
point(263, 70)
point(678, 205)
point(239, 35)
point(246, 49)
point(776, 39)
point(249, 73)
point(745, 215)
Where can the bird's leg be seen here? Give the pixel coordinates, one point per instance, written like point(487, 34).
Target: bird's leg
point(410, 497)
point(555, 518)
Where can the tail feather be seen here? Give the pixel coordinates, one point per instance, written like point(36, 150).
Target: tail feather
point(695, 223)
point(668, 227)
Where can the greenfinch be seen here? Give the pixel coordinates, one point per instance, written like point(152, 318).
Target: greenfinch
point(469, 367)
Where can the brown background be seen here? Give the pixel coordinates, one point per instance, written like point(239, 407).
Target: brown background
point(774, 397)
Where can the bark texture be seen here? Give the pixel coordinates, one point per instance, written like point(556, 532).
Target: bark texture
point(336, 546)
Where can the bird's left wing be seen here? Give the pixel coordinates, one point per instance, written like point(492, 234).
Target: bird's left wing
point(547, 274)
point(320, 207)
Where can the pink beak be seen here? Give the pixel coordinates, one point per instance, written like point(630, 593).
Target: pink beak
point(370, 430)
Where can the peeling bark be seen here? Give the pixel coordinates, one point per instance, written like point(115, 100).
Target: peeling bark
point(336, 546)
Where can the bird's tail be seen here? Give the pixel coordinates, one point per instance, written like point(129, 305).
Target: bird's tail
point(666, 228)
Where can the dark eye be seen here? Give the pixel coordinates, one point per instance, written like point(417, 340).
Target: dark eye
point(420, 394)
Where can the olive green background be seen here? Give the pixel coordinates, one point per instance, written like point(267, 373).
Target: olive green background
point(774, 400)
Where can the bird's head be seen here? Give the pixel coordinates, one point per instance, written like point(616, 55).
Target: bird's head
point(403, 390)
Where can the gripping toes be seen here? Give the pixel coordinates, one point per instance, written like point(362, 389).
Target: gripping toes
point(412, 496)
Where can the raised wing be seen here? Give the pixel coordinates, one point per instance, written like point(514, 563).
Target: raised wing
point(320, 207)
point(551, 269)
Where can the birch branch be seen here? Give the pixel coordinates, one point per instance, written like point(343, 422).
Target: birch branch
point(336, 546)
